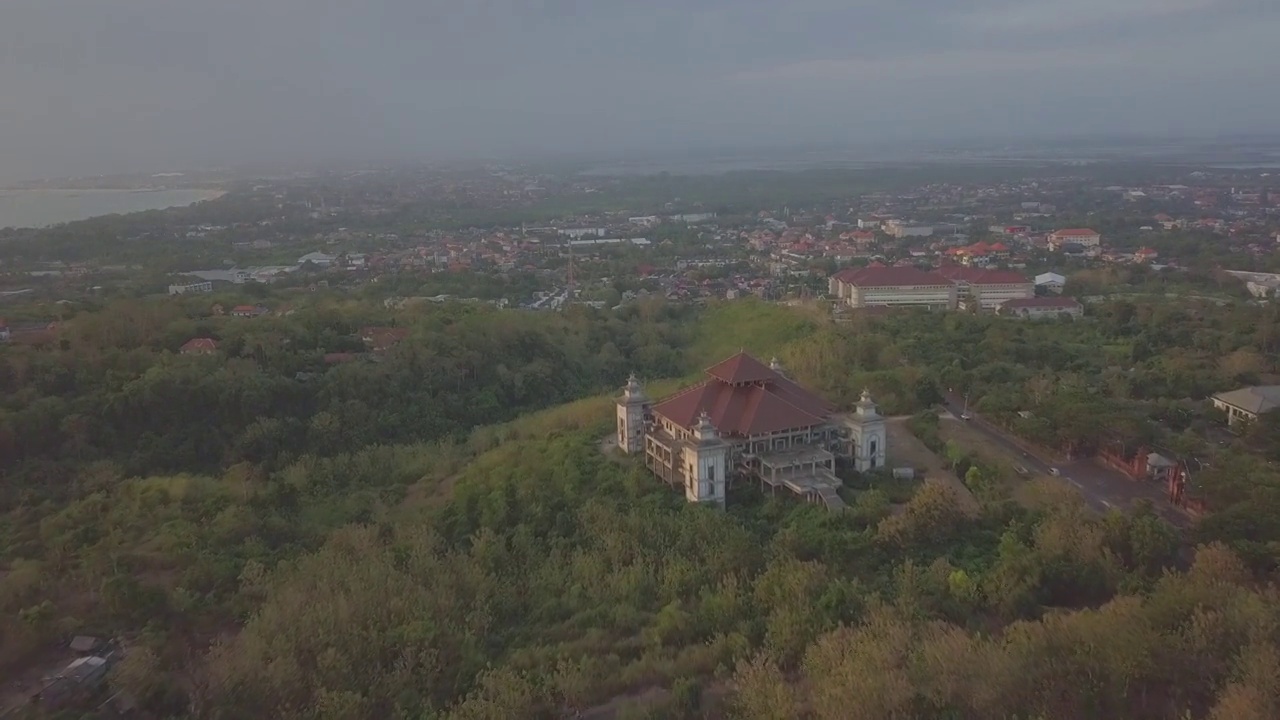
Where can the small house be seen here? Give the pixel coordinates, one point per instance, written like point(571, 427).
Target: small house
point(199, 346)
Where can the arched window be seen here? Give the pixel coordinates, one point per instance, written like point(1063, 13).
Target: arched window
point(873, 453)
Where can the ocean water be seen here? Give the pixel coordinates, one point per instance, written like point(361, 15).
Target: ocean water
point(41, 208)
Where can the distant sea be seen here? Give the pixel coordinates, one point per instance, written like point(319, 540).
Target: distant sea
point(41, 208)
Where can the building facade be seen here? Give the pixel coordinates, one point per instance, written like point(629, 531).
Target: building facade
point(892, 287)
point(900, 229)
point(748, 420)
point(1051, 281)
point(1084, 237)
point(191, 289)
point(1246, 404)
point(989, 289)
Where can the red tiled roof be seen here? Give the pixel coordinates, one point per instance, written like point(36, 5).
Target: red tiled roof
point(981, 276)
point(744, 397)
point(740, 369)
point(199, 345)
point(847, 274)
point(895, 276)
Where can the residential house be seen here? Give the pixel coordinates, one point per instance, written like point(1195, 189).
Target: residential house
point(979, 254)
point(1145, 255)
point(1035, 308)
point(1088, 239)
point(749, 420)
point(248, 311)
point(1246, 404)
point(199, 346)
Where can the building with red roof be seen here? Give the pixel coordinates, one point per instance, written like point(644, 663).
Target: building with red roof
point(749, 420)
point(988, 288)
point(199, 346)
point(874, 286)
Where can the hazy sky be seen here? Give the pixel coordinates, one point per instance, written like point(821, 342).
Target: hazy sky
point(91, 86)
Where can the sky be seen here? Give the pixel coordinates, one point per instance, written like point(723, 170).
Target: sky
point(89, 87)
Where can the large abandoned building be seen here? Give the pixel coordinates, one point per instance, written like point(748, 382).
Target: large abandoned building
point(748, 420)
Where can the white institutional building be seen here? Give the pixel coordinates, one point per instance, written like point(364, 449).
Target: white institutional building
point(748, 420)
point(946, 288)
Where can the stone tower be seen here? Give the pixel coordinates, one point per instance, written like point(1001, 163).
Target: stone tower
point(868, 435)
point(633, 408)
point(706, 464)
point(776, 366)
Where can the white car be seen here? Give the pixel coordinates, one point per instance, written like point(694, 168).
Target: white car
point(1054, 472)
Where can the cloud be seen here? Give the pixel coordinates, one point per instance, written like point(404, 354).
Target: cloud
point(90, 86)
point(1059, 16)
point(988, 64)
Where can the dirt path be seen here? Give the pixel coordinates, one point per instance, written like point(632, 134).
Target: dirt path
point(906, 450)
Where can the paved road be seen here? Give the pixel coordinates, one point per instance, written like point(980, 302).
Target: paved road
point(1103, 488)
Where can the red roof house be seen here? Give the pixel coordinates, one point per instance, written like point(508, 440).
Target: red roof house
point(199, 346)
point(248, 311)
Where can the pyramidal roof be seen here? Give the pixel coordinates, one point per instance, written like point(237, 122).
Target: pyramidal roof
point(740, 370)
point(743, 397)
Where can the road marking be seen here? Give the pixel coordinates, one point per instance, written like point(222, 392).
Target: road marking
point(1104, 502)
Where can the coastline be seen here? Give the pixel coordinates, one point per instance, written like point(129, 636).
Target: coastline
point(44, 207)
point(206, 193)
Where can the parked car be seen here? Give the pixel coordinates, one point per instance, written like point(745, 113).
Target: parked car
point(1054, 472)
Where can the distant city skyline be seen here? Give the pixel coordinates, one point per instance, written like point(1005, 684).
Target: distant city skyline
point(152, 85)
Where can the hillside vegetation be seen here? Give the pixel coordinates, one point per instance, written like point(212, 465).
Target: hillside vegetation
point(436, 534)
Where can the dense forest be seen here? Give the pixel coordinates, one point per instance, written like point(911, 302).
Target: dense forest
point(431, 531)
